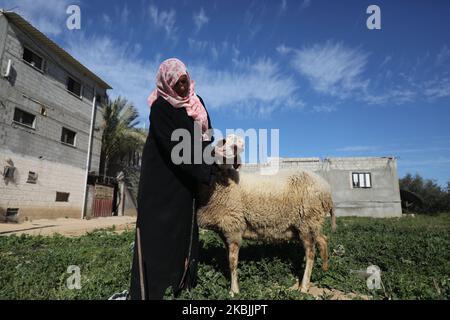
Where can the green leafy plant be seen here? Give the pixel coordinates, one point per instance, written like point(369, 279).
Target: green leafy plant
point(412, 253)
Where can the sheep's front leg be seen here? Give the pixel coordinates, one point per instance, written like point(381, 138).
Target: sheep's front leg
point(233, 256)
point(309, 253)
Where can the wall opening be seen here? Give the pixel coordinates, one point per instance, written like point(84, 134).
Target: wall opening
point(361, 180)
point(68, 136)
point(62, 197)
point(74, 86)
point(33, 59)
point(24, 118)
point(32, 177)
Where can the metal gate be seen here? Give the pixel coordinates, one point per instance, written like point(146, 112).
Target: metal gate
point(102, 206)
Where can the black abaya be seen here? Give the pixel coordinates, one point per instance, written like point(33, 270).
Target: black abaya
point(166, 220)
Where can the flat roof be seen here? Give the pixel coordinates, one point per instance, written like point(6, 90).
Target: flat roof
point(318, 160)
point(360, 158)
point(38, 35)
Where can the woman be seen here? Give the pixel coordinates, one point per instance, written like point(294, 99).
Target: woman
point(166, 246)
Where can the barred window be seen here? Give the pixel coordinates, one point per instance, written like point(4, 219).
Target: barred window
point(74, 86)
point(32, 177)
point(62, 197)
point(33, 59)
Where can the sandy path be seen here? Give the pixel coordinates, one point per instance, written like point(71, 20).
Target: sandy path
point(66, 227)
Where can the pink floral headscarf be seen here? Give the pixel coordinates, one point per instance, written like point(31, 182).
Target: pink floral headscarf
point(168, 75)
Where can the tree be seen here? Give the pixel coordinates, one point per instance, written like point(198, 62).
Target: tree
point(435, 198)
point(120, 137)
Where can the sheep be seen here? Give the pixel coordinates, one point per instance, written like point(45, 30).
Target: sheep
point(291, 206)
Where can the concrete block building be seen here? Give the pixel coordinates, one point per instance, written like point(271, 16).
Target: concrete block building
point(47, 100)
point(366, 187)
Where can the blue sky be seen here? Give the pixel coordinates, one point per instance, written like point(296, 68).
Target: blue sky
point(309, 68)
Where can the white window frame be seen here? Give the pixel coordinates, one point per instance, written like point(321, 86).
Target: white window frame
point(74, 140)
point(357, 177)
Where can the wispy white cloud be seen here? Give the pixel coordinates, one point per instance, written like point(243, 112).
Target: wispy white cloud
point(336, 70)
point(426, 150)
point(358, 148)
point(283, 6)
point(215, 50)
point(305, 4)
point(324, 108)
point(332, 68)
point(386, 60)
point(166, 20)
point(118, 64)
point(253, 18)
point(438, 88)
point(106, 19)
point(124, 14)
point(283, 49)
point(443, 56)
point(257, 88)
point(248, 89)
point(200, 19)
point(396, 96)
point(48, 16)
point(198, 46)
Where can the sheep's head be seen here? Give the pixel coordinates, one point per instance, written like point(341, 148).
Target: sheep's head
point(228, 152)
point(227, 157)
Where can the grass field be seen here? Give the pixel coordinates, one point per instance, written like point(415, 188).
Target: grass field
point(412, 253)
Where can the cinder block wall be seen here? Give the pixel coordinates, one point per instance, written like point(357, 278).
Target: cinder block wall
point(60, 167)
point(382, 200)
point(38, 201)
point(30, 89)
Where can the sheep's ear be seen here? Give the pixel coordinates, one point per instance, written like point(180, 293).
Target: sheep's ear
point(237, 158)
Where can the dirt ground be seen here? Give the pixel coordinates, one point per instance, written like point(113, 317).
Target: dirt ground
point(333, 294)
point(330, 294)
point(66, 227)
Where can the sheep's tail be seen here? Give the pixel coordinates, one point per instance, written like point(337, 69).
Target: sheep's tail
point(333, 220)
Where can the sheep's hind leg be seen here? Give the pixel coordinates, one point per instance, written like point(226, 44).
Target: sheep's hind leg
point(323, 248)
point(233, 256)
point(308, 244)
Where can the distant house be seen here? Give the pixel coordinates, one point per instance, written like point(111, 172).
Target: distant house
point(46, 104)
point(366, 187)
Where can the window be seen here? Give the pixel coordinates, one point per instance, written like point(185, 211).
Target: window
point(32, 177)
point(25, 118)
point(74, 86)
point(68, 136)
point(8, 172)
point(62, 197)
point(33, 59)
point(11, 212)
point(98, 99)
point(362, 180)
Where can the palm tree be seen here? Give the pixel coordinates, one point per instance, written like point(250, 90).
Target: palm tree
point(120, 135)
